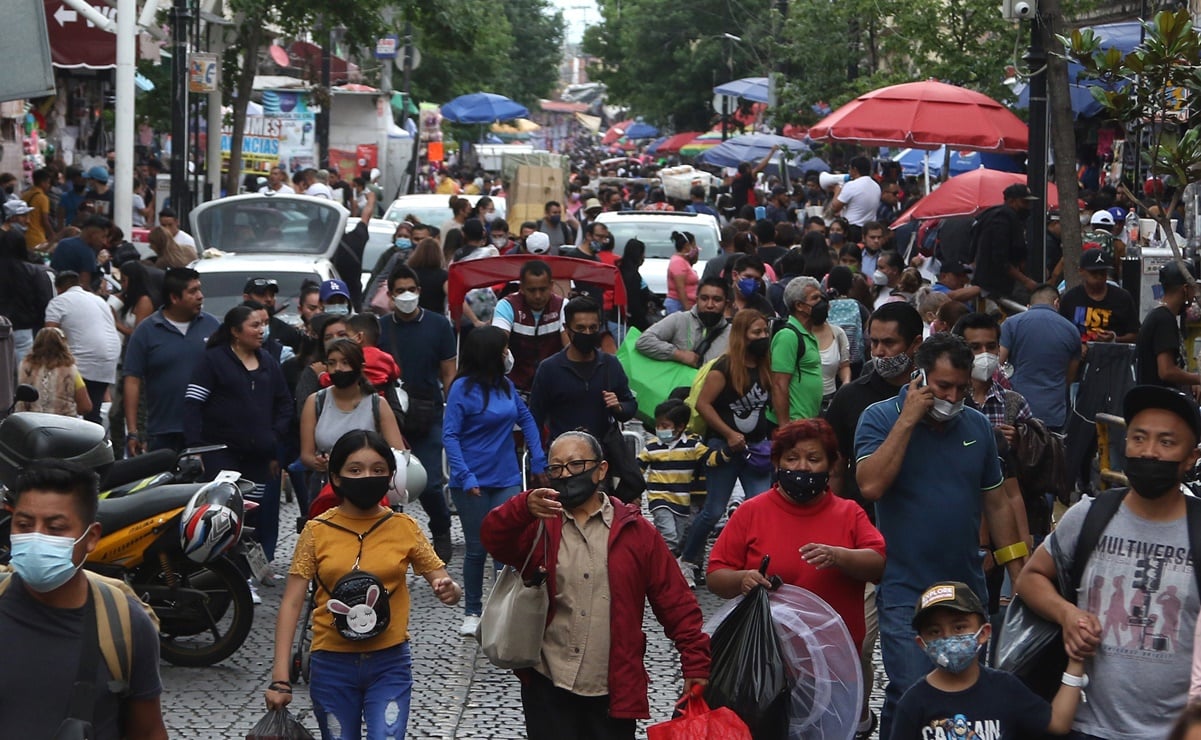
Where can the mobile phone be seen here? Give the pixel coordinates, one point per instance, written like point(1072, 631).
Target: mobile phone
point(919, 375)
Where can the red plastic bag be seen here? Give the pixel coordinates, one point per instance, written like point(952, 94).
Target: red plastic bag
point(698, 722)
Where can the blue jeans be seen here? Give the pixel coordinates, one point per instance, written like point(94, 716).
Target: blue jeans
point(672, 305)
point(348, 688)
point(904, 661)
point(428, 450)
point(719, 485)
point(166, 441)
point(472, 510)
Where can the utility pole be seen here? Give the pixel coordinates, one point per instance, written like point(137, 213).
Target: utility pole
point(180, 197)
point(406, 81)
point(1036, 164)
point(327, 33)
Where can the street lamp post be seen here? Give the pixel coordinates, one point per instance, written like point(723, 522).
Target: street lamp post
point(731, 39)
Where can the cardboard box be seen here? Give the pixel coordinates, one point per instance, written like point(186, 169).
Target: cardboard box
point(532, 187)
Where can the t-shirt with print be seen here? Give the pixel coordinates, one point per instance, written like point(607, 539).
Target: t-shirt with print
point(746, 412)
point(1139, 583)
point(1115, 312)
point(997, 707)
point(329, 553)
point(1159, 333)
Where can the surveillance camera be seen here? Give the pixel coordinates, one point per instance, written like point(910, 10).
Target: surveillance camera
point(1023, 9)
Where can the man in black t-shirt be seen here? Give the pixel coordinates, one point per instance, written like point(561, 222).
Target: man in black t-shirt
point(1160, 345)
point(1102, 312)
point(742, 183)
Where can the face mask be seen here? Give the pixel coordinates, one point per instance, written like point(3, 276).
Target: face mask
point(892, 367)
point(489, 217)
point(403, 243)
point(406, 302)
point(747, 287)
point(338, 309)
point(758, 347)
point(500, 241)
point(1152, 479)
point(585, 343)
point(709, 318)
point(665, 435)
point(596, 246)
point(944, 410)
point(574, 489)
point(694, 253)
point(802, 486)
point(44, 561)
point(821, 312)
point(364, 493)
point(985, 366)
point(879, 278)
point(344, 378)
point(954, 653)
point(509, 362)
point(554, 220)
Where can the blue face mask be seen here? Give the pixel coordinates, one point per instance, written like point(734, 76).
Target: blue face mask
point(954, 653)
point(748, 286)
point(665, 435)
point(403, 242)
point(44, 561)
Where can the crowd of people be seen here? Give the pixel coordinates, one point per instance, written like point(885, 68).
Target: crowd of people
point(861, 410)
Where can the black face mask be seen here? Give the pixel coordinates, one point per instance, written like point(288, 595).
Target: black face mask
point(709, 318)
point(344, 378)
point(759, 347)
point(1150, 478)
point(364, 493)
point(574, 489)
point(585, 343)
point(802, 486)
point(820, 312)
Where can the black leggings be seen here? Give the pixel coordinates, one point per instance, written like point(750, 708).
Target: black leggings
point(552, 713)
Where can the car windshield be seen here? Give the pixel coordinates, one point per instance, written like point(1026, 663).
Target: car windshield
point(377, 243)
point(278, 226)
point(431, 215)
point(657, 237)
point(223, 290)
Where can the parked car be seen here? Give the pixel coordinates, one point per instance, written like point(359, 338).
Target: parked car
point(434, 209)
point(654, 229)
point(223, 278)
point(379, 238)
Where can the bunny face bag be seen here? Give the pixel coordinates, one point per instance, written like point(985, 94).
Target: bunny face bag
point(359, 601)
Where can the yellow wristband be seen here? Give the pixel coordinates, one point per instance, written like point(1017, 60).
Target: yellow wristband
point(1012, 552)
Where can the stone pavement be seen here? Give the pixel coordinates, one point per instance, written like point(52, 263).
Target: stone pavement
point(456, 692)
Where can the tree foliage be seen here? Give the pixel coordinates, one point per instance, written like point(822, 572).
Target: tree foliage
point(535, 50)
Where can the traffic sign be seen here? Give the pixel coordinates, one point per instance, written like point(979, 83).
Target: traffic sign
point(386, 47)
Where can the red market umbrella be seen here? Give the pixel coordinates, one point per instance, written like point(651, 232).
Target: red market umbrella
point(675, 143)
point(615, 132)
point(968, 194)
point(925, 115)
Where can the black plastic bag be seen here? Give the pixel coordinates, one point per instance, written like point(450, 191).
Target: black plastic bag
point(278, 724)
point(748, 673)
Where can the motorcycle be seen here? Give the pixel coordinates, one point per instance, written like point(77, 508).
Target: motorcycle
point(176, 545)
point(158, 468)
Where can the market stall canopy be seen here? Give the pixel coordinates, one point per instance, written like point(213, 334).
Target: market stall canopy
point(749, 148)
point(674, 143)
point(615, 132)
point(751, 88)
point(516, 126)
point(483, 107)
point(913, 164)
point(925, 115)
point(640, 130)
point(968, 194)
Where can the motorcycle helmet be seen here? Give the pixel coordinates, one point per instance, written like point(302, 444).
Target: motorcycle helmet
point(211, 523)
point(409, 480)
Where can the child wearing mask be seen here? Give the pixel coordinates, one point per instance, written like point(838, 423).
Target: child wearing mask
point(673, 467)
point(960, 697)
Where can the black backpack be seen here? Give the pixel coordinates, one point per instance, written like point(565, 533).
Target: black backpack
point(778, 325)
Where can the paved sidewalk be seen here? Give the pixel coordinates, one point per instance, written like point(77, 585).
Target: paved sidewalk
point(456, 692)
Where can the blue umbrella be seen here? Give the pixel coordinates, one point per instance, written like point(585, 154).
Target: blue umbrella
point(640, 130)
point(749, 148)
point(814, 164)
point(752, 88)
point(483, 108)
point(654, 146)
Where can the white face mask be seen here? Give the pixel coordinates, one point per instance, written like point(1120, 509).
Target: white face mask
point(984, 366)
point(879, 278)
point(406, 302)
point(489, 217)
point(338, 309)
point(509, 362)
point(944, 410)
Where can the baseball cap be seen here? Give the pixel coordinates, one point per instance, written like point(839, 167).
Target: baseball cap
point(99, 173)
point(258, 286)
point(954, 595)
point(1101, 218)
point(1053, 215)
point(1094, 259)
point(331, 288)
point(1119, 214)
point(1018, 190)
point(1170, 275)
point(1143, 397)
point(537, 243)
point(955, 268)
point(16, 207)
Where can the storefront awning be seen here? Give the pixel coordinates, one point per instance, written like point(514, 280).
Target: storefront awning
point(74, 42)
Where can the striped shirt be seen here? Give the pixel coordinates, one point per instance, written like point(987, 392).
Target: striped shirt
point(674, 472)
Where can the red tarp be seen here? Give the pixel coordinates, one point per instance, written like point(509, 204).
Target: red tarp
point(489, 271)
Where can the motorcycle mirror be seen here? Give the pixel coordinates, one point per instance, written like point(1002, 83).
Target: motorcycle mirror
point(26, 394)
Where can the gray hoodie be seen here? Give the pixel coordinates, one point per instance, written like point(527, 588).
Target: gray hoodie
point(682, 330)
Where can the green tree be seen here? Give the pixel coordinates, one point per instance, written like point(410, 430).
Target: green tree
point(535, 52)
point(465, 47)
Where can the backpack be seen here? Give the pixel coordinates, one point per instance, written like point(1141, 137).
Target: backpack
point(113, 624)
point(844, 313)
point(780, 324)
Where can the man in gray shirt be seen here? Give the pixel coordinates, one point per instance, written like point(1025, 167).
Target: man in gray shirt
point(695, 336)
point(1137, 605)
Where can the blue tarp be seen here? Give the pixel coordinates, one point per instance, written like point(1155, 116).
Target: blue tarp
point(1124, 37)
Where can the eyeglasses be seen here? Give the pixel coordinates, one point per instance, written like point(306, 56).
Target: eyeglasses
point(575, 467)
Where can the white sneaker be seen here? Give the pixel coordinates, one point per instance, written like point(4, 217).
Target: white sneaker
point(254, 593)
point(471, 625)
point(686, 570)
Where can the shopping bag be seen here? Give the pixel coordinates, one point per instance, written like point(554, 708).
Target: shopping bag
point(278, 724)
point(650, 380)
point(748, 672)
point(696, 721)
point(514, 619)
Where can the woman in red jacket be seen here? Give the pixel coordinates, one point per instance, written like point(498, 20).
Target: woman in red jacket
point(591, 682)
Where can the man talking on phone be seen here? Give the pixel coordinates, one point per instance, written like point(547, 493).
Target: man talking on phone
point(931, 466)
